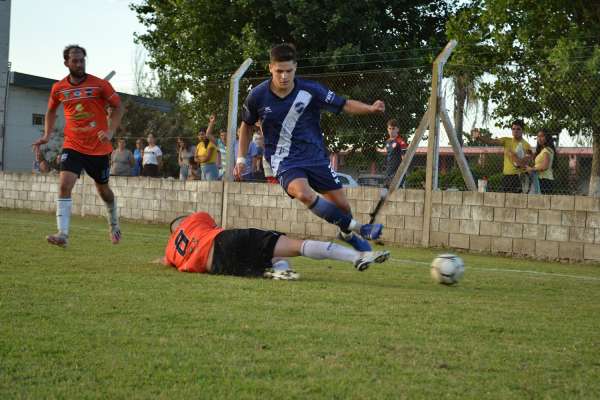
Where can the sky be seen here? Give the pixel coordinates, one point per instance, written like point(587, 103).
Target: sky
point(40, 29)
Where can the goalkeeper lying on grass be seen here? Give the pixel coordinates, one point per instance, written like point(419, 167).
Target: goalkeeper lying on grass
point(197, 244)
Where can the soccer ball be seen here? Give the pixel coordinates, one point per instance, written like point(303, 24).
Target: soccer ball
point(447, 269)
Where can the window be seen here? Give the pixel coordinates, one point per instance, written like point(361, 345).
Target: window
point(38, 119)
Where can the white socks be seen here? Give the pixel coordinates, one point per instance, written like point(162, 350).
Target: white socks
point(112, 214)
point(281, 265)
point(354, 226)
point(321, 250)
point(63, 215)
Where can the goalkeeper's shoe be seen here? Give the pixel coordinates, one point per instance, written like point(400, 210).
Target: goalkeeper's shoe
point(370, 257)
point(115, 234)
point(58, 239)
point(281, 271)
point(358, 243)
point(371, 231)
point(281, 275)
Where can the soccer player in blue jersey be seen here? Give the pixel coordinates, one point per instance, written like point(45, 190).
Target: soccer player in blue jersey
point(288, 110)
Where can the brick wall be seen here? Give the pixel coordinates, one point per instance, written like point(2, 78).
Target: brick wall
point(147, 199)
point(545, 227)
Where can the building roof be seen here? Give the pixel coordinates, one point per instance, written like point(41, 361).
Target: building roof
point(45, 84)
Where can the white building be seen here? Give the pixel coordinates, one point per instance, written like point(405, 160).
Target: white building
point(26, 106)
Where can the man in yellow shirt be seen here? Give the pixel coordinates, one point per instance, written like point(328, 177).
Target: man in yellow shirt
point(517, 154)
point(206, 152)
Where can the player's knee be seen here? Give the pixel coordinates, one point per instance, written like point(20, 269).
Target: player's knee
point(306, 197)
point(65, 189)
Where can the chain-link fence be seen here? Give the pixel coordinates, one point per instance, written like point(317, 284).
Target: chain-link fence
point(358, 143)
point(360, 146)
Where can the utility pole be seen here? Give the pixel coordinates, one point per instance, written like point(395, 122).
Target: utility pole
point(4, 71)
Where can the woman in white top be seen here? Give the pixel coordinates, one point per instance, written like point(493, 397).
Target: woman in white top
point(151, 159)
point(544, 160)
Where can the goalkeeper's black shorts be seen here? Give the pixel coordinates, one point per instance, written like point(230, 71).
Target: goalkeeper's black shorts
point(244, 252)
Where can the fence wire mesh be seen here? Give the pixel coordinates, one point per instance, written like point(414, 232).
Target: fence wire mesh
point(357, 144)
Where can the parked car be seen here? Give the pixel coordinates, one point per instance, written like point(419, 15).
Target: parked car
point(346, 180)
point(375, 180)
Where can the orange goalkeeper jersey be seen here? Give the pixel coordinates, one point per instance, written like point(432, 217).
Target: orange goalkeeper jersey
point(189, 246)
point(85, 112)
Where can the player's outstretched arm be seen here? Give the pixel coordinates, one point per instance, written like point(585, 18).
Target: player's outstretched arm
point(356, 107)
point(245, 134)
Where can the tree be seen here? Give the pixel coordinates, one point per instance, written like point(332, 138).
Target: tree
point(464, 66)
point(548, 71)
point(198, 44)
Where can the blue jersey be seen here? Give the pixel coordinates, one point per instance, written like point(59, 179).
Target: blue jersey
point(291, 125)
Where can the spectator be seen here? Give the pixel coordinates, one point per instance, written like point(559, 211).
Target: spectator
point(121, 160)
point(254, 158)
point(395, 147)
point(517, 154)
point(222, 155)
point(137, 155)
point(45, 167)
point(206, 156)
point(39, 157)
point(195, 173)
point(544, 159)
point(222, 146)
point(184, 154)
point(151, 158)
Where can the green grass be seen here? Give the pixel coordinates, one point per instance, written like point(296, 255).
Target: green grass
point(102, 321)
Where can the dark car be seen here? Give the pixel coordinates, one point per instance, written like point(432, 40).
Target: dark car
point(374, 180)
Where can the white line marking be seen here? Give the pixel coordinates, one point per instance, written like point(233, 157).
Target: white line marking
point(520, 271)
point(396, 260)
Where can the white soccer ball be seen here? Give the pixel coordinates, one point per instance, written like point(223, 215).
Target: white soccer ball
point(447, 269)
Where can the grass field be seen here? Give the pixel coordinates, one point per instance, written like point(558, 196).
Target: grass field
point(102, 321)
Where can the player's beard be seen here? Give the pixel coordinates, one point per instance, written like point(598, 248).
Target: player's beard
point(77, 73)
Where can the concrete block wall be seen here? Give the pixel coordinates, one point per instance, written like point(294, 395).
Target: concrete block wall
point(544, 227)
point(269, 207)
point(537, 226)
point(147, 199)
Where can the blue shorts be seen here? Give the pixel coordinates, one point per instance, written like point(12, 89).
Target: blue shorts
point(322, 178)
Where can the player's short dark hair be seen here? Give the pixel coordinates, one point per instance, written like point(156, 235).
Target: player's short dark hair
point(283, 52)
point(70, 47)
point(392, 122)
point(518, 122)
point(176, 221)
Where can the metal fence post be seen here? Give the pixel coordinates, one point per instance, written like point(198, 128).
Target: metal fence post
point(431, 179)
point(234, 91)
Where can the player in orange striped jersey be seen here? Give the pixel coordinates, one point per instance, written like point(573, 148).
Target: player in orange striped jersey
point(93, 113)
point(198, 244)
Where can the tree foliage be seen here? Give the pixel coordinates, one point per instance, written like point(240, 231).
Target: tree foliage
point(198, 44)
point(545, 58)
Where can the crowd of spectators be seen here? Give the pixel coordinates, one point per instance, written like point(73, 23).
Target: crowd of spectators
point(525, 170)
